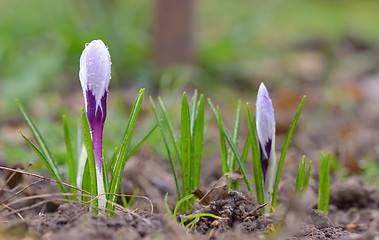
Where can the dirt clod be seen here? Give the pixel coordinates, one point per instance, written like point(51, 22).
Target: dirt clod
point(238, 210)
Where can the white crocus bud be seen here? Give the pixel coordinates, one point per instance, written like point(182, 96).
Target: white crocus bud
point(265, 120)
point(94, 75)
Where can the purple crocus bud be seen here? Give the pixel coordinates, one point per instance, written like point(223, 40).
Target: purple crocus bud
point(265, 127)
point(94, 75)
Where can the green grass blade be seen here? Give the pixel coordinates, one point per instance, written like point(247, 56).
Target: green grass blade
point(170, 128)
point(142, 140)
point(123, 198)
point(200, 215)
point(239, 161)
point(168, 210)
point(135, 148)
point(131, 199)
point(321, 182)
point(112, 161)
point(224, 154)
point(300, 176)
point(70, 155)
point(41, 143)
point(173, 168)
point(324, 183)
point(180, 202)
point(86, 182)
point(244, 155)
point(307, 177)
point(185, 149)
point(105, 175)
point(327, 184)
point(42, 157)
point(193, 107)
point(79, 140)
point(121, 159)
point(234, 149)
point(246, 148)
point(235, 136)
point(90, 156)
point(284, 152)
point(257, 167)
point(198, 141)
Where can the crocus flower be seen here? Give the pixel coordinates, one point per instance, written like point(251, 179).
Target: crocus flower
point(94, 75)
point(265, 127)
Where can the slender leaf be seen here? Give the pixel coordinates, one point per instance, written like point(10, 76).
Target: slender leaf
point(112, 161)
point(86, 185)
point(90, 156)
point(180, 202)
point(185, 149)
point(257, 167)
point(173, 168)
point(193, 107)
point(321, 181)
point(70, 155)
point(123, 198)
point(41, 143)
point(244, 155)
point(284, 152)
point(170, 128)
point(327, 184)
point(235, 136)
point(200, 215)
point(224, 155)
point(121, 159)
point(198, 141)
point(131, 199)
point(139, 142)
point(234, 149)
point(166, 205)
point(324, 184)
point(307, 177)
point(300, 175)
point(79, 141)
point(41, 156)
point(105, 176)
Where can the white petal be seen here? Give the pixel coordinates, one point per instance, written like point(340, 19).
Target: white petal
point(265, 117)
point(95, 69)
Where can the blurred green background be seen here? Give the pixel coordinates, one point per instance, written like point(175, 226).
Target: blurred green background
point(236, 45)
point(234, 41)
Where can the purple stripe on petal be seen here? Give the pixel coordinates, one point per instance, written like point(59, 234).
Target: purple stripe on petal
point(264, 160)
point(96, 118)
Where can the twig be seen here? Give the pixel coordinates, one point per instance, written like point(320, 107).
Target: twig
point(18, 214)
point(12, 175)
point(124, 195)
point(45, 178)
point(23, 189)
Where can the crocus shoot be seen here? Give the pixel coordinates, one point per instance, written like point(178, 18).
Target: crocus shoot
point(94, 75)
point(265, 122)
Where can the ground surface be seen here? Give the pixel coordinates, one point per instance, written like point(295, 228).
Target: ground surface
point(353, 214)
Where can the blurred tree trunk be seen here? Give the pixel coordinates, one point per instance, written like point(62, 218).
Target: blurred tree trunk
point(173, 32)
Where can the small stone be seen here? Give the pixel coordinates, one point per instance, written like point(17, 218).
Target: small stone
point(320, 220)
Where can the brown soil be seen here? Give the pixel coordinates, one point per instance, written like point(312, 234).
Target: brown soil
point(353, 214)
